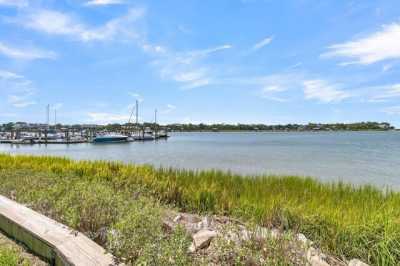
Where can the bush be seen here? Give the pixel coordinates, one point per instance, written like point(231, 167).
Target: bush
point(138, 238)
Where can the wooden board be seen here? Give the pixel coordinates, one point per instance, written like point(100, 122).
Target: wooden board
point(49, 239)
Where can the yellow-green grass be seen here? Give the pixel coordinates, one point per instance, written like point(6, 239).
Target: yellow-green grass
point(348, 221)
point(12, 254)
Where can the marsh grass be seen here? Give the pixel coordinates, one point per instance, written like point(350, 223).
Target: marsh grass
point(348, 221)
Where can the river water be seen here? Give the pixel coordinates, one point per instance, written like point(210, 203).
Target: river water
point(354, 157)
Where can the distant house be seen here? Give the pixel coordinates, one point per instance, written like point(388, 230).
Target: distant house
point(384, 125)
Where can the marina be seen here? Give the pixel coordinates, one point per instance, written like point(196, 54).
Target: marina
point(22, 133)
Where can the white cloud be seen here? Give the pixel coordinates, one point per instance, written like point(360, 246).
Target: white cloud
point(107, 118)
point(269, 92)
point(187, 68)
point(154, 49)
point(18, 89)
point(9, 75)
point(14, 3)
point(103, 2)
point(137, 96)
point(384, 93)
point(322, 91)
point(19, 101)
point(386, 68)
point(379, 46)
point(25, 53)
point(393, 110)
point(168, 109)
point(273, 87)
point(59, 23)
point(263, 43)
point(206, 52)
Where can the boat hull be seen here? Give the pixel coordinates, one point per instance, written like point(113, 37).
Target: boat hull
point(110, 139)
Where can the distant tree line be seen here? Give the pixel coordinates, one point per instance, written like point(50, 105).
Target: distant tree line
point(288, 127)
point(215, 127)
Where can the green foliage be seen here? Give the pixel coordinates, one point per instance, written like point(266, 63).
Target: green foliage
point(139, 238)
point(10, 257)
point(353, 222)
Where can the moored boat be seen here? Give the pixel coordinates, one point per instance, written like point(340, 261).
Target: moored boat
point(110, 138)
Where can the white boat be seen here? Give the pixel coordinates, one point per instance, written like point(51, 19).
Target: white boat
point(110, 138)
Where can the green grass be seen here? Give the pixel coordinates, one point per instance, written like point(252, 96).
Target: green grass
point(8, 257)
point(11, 254)
point(347, 221)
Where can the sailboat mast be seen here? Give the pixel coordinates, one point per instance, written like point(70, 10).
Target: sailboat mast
point(48, 115)
point(137, 112)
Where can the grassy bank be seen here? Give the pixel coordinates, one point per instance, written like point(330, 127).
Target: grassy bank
point(349, 222)
point(12, 254)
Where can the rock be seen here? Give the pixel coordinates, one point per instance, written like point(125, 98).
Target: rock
point(245, 235)
point(356, 262)
point(193, 228)
point(262, 233)
point(275, 233)
point(315, 258)
point(202, 239)
point(168, 226)
point(177, 218)
point(318, 261)
point(190, 218)
point(206, 222)
point(303, 239)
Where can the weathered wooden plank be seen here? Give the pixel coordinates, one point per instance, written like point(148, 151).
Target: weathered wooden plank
point(49, 239)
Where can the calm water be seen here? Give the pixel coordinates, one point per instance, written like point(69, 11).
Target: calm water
point(356, 157)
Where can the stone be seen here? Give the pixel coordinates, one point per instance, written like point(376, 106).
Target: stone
point(177, 218)
point(168, 226)
point(202, 239)
point(206, 222)
point(318, 261)
point(314, 258)
point(190, 218)
point(262, 233)
point(356, 262)
point(303, 239)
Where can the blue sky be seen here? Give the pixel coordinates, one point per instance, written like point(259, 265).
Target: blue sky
point(211, 61)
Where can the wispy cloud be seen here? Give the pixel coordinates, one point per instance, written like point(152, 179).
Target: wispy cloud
point(383, 93)
point(25, 53)
point(107, 118)
point(19, 90)
point(187, 68)
point(14, 3)
point(104, 2)
point(7, 75)
point(136, 96)
point(59, 23)
point(263, 42)
point(274, 87)
point(168, 109)
point(393, 110)
point(379, 46)
point(323, 91)
point(21, 101)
